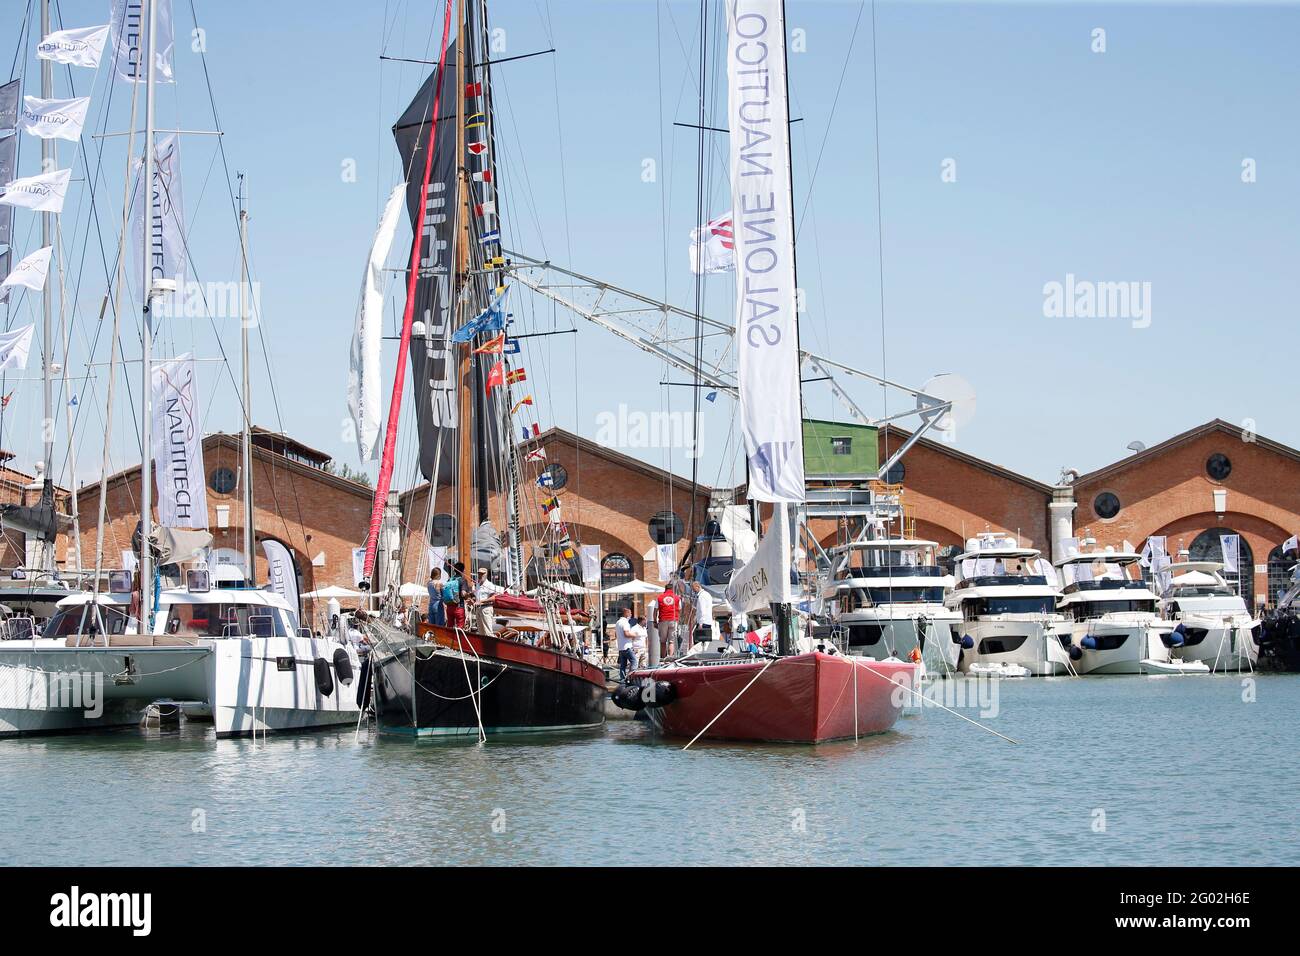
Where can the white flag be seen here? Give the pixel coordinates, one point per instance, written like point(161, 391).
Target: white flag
point(1230, 544)
point(43, 193)
point(178, 445)
point(81, 46)
point(54, 119)
point(30, 271)
point(358, 565)
point(1291, 544)
point(437, 556)
point(282, 575)
point(1155, 547)
point(590, 557)
point(762, 222)
point(14, 347)
point(666, 555)
point(130, 35)
point(363, 360)
point(713, 246)
point(765, 577)
point(166, 218)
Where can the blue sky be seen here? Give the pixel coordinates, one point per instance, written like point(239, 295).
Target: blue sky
point(1113, 167)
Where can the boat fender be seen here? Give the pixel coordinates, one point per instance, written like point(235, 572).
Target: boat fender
point(658, 694)
point(1178, 637)
point(1089, 642)
point(967, 641)
point(343, 667)
point(628, 696)
point(324, 679)
point(1075, 652)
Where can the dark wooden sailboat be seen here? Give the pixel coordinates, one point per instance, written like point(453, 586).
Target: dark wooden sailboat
point(530, 676)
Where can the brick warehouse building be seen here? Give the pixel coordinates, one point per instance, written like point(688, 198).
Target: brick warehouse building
point(1214, 479)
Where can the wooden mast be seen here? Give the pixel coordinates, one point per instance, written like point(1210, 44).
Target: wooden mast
point(464, 398)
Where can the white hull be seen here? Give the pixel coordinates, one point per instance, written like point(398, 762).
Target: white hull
point(1225, 647)
point(1041, 651)
point(901, 633)
point(1136, 642)
point(249, 684)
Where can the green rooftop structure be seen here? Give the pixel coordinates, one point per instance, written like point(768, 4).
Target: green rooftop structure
point(839, 450)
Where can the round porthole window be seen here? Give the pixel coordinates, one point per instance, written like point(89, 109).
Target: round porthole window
point(554, 477)
point(666, 528)
point(1106, 505)
point(222, 481)
point(1218, 466)
point(895, 474)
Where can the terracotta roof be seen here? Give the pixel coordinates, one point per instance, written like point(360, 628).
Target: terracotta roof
point(944, 448)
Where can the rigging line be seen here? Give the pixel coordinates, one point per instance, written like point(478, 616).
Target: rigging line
point(880, 216)
point(22, 43)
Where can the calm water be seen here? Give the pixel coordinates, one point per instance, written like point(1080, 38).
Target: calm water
point(1184, 770)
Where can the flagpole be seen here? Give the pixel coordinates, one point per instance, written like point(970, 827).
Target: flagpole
point(146, 339)
point(464, 408)
point(47, 298)
point(246, 437)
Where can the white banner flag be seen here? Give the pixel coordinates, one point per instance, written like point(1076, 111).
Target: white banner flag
point(43, 193)
point(15, 346)
point(358, 565)
point(81, 46)
point(1231, 546)
point(437, 557)
point(30, 271)
point(282, 574)
point(130, 35)
point(713, 246)
point(363, 361)
point(762, 220)
point(590, 557)
point(54, 119)
point(1291, 544)
point(166, 220)
point(666, 558)
point(765, 577)
point(178, 445)
point(1154, 547)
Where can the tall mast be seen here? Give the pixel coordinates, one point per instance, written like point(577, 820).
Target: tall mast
point(246, 443)
point(464, 398)
point(47, 298)
point(146, 340)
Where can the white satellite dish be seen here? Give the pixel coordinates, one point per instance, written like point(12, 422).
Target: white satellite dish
point(949, 387)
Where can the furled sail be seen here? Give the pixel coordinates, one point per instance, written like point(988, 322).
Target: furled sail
point(363, 361)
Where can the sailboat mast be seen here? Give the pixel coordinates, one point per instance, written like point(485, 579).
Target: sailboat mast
point(464, 383)
point(47, 298)
point(146, 342)
point(246, 394)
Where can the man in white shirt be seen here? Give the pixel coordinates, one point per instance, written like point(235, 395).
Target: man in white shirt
point(484, 612)
point(623, 640)
point(703, 613)
point(639, 637)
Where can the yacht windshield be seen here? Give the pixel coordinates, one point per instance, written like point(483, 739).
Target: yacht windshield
point(225, 620)
point(81, 619)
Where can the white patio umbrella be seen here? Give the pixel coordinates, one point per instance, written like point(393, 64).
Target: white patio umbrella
point(564, 587)
point(333, 591)
point(636, 586)
point(409, 590)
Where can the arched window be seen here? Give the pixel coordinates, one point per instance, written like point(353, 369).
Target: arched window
point(1279, 573)
point(1207, 547)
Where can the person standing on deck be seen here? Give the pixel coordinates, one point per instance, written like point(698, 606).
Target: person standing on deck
point(703, 614)
point(454, 594)
point(623, 640)
point(484, 613)
point(668, 609)
point(436, 614)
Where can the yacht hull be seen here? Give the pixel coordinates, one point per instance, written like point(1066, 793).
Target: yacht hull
point(806, 698)
point(1033, 645)
point(1121, 648)
point(453, 683)
point(1224, 648)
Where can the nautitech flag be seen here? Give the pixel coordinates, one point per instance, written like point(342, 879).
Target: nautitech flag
point(81, 46)
point(129, 34)
point(43, 193)
point(54, 119)
point(713, 246)
point(30, 271)
point(14, 348)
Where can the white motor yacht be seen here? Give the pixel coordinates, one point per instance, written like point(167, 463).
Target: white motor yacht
point(1006, 596)
point(887, 599)
point(1211, 618)
point(1114, 624)
point(234, 648)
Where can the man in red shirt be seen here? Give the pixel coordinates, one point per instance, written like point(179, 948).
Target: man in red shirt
point(668, 611)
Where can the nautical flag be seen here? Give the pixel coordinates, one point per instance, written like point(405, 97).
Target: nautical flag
point(711, 397)
point(474, 121)
point(550, 504)
point(72, 402)
point(4, 402)
point(14, 347)
point(515, 376)
point(526, 400)
point(54, 119)
point(492, 346)
point(1291, 544)
point(485, 208)
point(487, 237)
point(30, 271)
point(478, 149)
point(512, 347)
point(537, 430)
point(537, 454)
point(495, 376)
point(524, 432)
point(81, 46)
point(568, 554)
point(491, 319)
point(43, 193)
point(497, 262)
point(482, 176)
point(472, 90)
point(713, 246)
point(546, 479)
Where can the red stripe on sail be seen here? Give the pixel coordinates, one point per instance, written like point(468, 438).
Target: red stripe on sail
point(399, 378)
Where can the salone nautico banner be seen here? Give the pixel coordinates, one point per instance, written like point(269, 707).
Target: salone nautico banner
point(178, 445)
point(767, 337)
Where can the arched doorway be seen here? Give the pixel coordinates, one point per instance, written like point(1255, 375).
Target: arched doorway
point(1207, 547)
